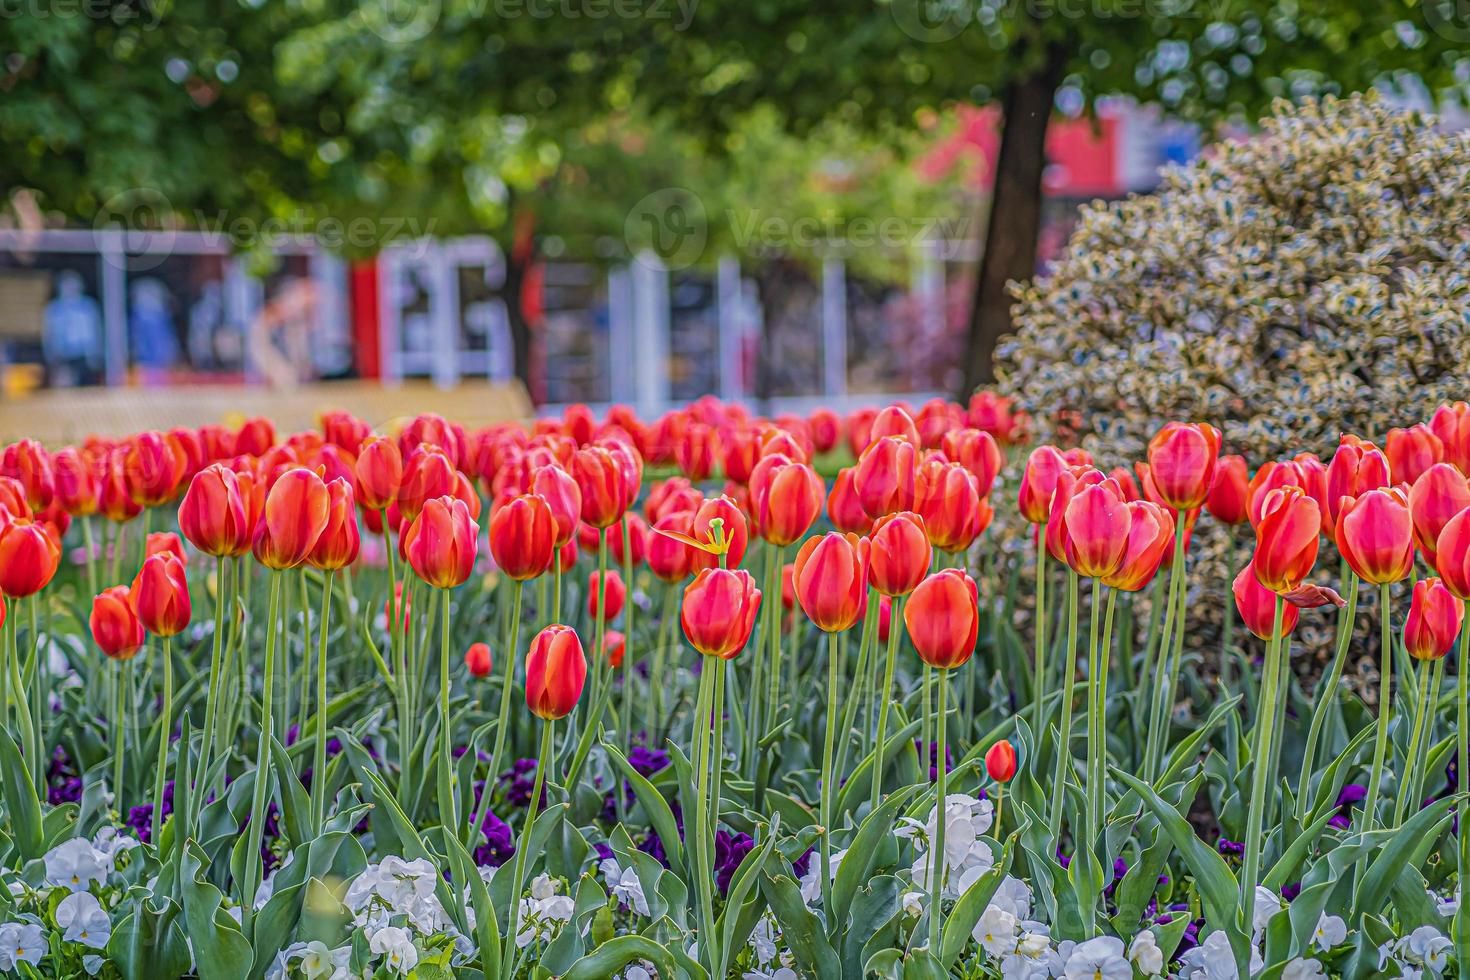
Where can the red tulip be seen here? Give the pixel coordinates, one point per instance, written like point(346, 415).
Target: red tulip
point(296, 512)
point(1069, 482)
point(734, 528)
point(896, 422)
point(936, 418)
point(337, 546)
point(28, 557)
point(1452, 554)
point(114, 500)
point(523, 534)
point(885, 617)
point(212, 514)
point(742, 450)
point(1435, 616)
point(669, 558)
point(614, 648)
point(165, 543)
point(155, 468)
point(1257, 605)
point(977, 452)
point(1375, 533)
point(719, 610)
point(255, 437)
point(13, 498)
point(428, 473)
point(601, 482)
point(993, 413)
point(478, 661)
point(899, 554)
point(670, 496)
point(1039, 482)
point(831, 580)
point(561, 493)
point(943, 618)
point(637, 539)
point(1440, 493)
point(1182, 459)
point(1097, 522)
point(826, 429)
point(379, 472)
point(1451, 423)
point(1273, 476)
point(566, 556)
point(160, 595)
point(1128, 484)
point(115, 626)
point(1229, 491)
point(614, 591)
point(440, 543)
point(218, 442)
point(1411, 451)
point(1000, 761)
point(695, 453)
point(1355, 469)
point(844, 509)
point(1150, 539)
point(556, 671)
point(1287, 539)
point(76, 483)
point(885, 476)
point(190, 448)
point(785, 498)
point(28, 463)
point(948, 497)
point(860, 429)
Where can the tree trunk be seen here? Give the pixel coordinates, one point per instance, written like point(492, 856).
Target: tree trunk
point(1014, 227)
point(519, 260)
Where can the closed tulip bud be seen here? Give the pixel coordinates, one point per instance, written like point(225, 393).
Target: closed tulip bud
point(190, 446)
point(1274, 476)
point(785, 498)
point(885, 476)
point(896, 422)
point(669, 558)
point(936, 418)
point(947, 496)
point(1452, 558)
point(719, 610)
point(788, 586)
point(1097, 521)
point(28, 557)
point(155, 468)
point(844, 509)
point(1375, 533)
point(1039, 482)
point(733, 527)
point(695, 453)
point(345, 430)
point(76, 483)
point(670, 496)
point(114, 499)
point(637, 547)
point(255, 437)
point(160, 595)
point(337, 546)
point(1128, 485)
point(1451, 424)
point(1440, 493)
point(601, 482)
point(860, 429)
point(831, 580)
point(1229, 491)
point(943, 618)
point(826, 429)
point(441, 543)
point(1069, 482)
point(296, 512)
point(1355, 469)
point(899, 554)
point(977, 452)
point(1182, 459)
point(742, 450)
point(114, 624)
point(1000, 761)
point(29, 464)
point(477, 660)
point(379, 472)
point(523, 536)
point(566, 556)
point(165, 543)
point(561, 493)
point(427, 475)
point(1287, 539)
point(885, 617)
point(556, 671)
point(13, 499)
point(614, 647)
point(1435, 616)
point(610, 595)
point(1411, 451)
point(213, 515)
point(1257, 605)
point(1150, 539)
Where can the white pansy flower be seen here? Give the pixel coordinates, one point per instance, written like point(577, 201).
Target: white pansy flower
point(1268, 903)
point(21, 942)
point(74, 864)
point(625, 885)
point(1330, 931)
point(396, 947)
point(780, 973)
point(1426, 946)
point(1446, 905)
point(811, 882)
point(995, 931)
point(92, 963)
point(83, 920)
point(543, 886)
point(1098, 959)
point(1013, 895)
point(913, 903)
point(763, 940)
point(1212, 959)
point(1145, 953)
point(1302, 969)
point(317, 961)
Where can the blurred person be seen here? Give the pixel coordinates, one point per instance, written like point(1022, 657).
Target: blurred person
point(72, 340)
point(151, 328)
point(279, 340)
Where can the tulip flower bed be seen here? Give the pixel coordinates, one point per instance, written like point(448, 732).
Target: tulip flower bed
point(625, 699)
